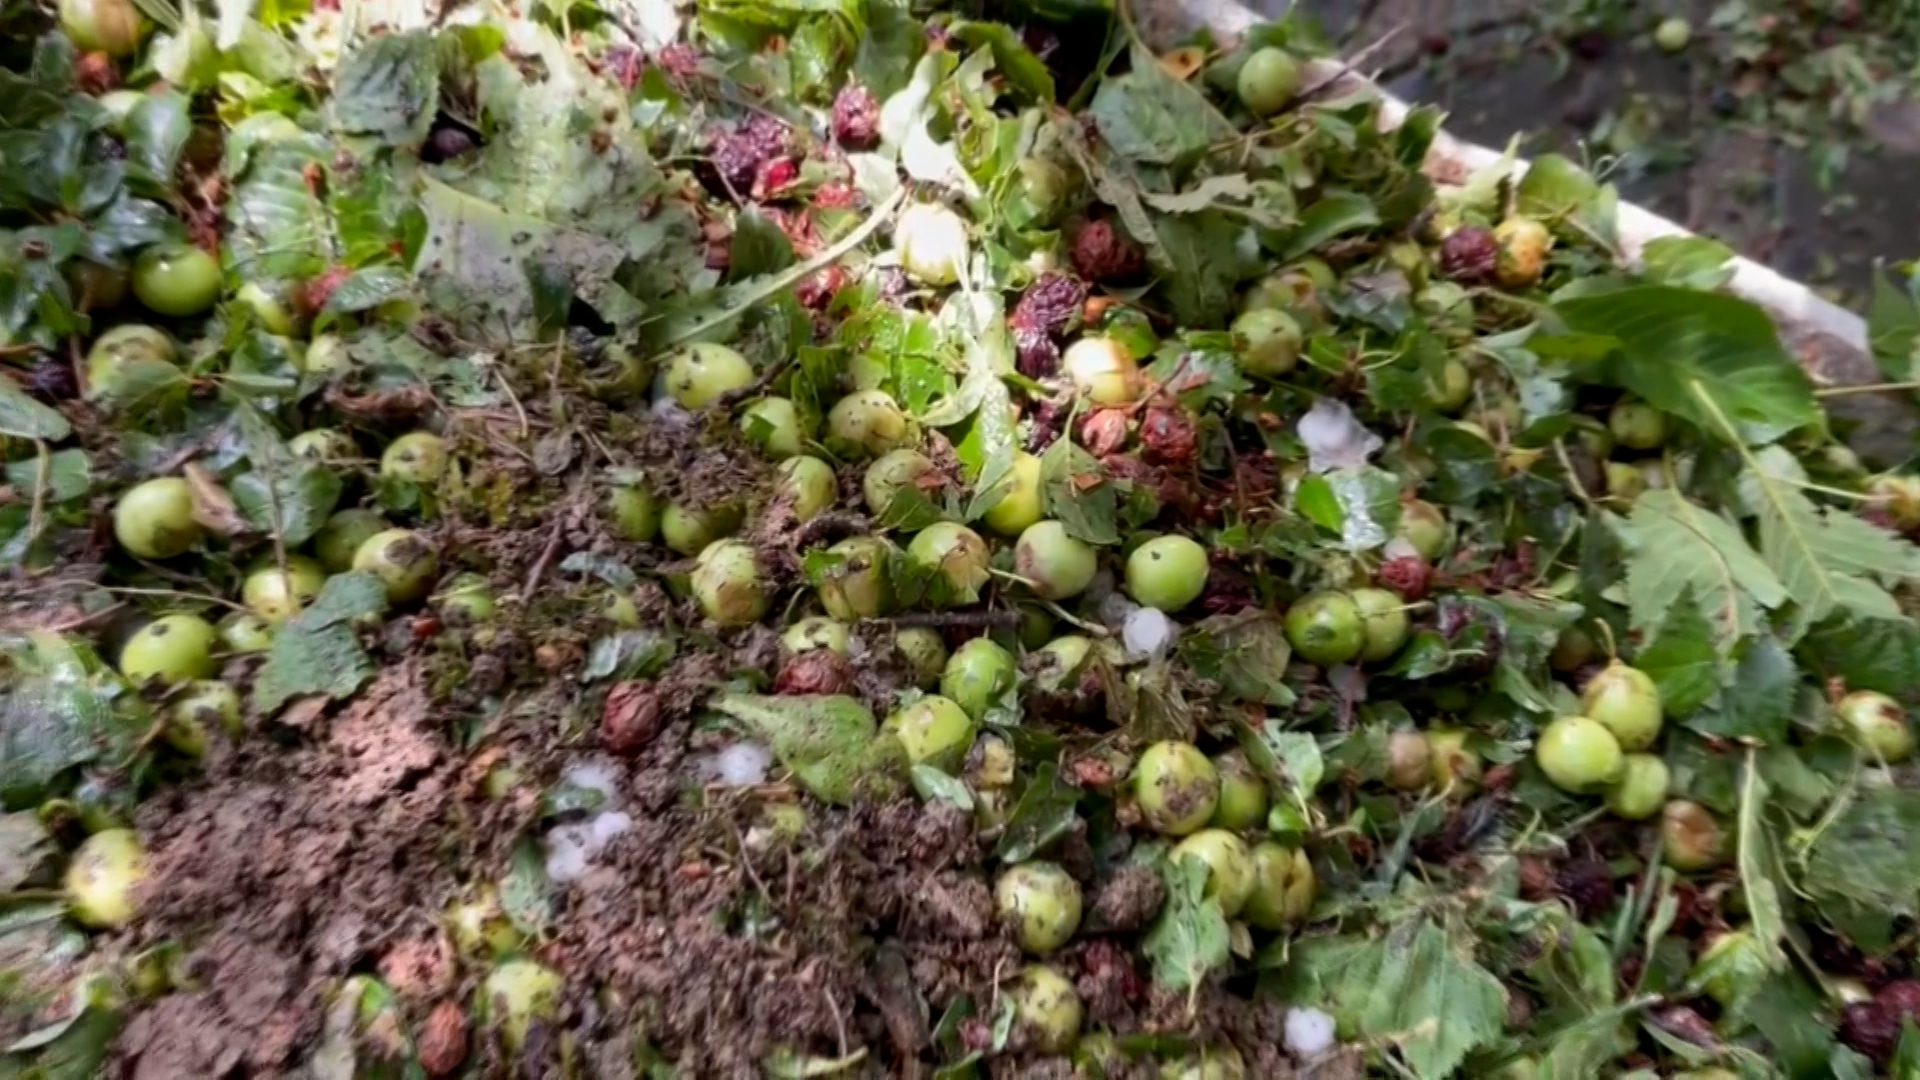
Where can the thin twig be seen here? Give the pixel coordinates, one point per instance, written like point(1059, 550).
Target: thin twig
point(547, 553)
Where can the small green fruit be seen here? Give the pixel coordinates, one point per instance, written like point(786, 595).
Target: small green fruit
point(978, 675)
point(1673, 34)
point(328, 446)
point(467, 600)
point(1328, 628)
point(890, 474)
point(633, 513)
point(209, 703)
point(727, 584)
point(518, 994)
point(171, 649)
point(1455, 764)
point(1243, 794)
point(1022, 506)
point(1267, 341)
point(1040, 903)
point(154, 519)
point(1579, 755)
point(1176, 788)
point(403, 560)
point(1268, 80)
point(815, 632)
point(1637, 425)
point(688, 531)
point(1230, 870)
point(1423, 525)
point(114, 27)
point(176, 280)
point(934, 730)
point(702, 372)
point(1283, 887)
point(1691, 838)
point(1877, 723)
point(1642, 788)
point(859, 586)
point(1385, 617)
point(1167, 573)
point(925, 653)
point(1046, 1009)
point(773, 424)
point(931, 243)
point(277, 595)
point(1524, 243)
point(1624, 701)
point(245, 632)
point(1409, 761)
point(1101, 368)
point(957, 555)
point(1055, 564)
point(103, 879)
point(868, 422)
point(418, 457)
point(342, 535)
point(807, 485)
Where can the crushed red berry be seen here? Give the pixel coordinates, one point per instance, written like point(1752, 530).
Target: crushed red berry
point(856, 118)
point(1102, 253)
point(1469, 254)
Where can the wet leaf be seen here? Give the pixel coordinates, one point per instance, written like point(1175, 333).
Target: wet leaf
point(1759, 866)
point(1868, 654)
point(758, 247)
point(318, 652)
point(1078, 494)
point(525, 892)
point(1700, 356)
point(1289, 761)
point(932, 784)
point(1758, 698)
point(1417, 985)
point(24, 418)
point(62, 708)
point(1151, 117)
point(1190, 939)
point(1360, 505)
point(387, 88)
point(67, 475)
point(1865, 859)
point(1676, 548)
point(1682, 660)
point(830, 743)
point(1045, 812)
point(1826, 560)
point(1246, 654)
point(1691, 262)
point(630, 654)
point(1328, 217)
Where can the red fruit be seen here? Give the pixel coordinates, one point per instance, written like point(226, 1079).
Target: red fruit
point(818, 289)
point(836, 195)
point(95, 73)
point(1046, 312)
point(1902, 996)
point(1103, 254)
point(1408, 575)
point(856, 118)
point(1469, 254)
point(442, 1045)
point(1104, 431)
point(773, 177)
point(816, 671)
point(739, 155)
point(312, 297)
point(1870, 1028)
point(631, 717)
point(679, 60)
point(1169, 435)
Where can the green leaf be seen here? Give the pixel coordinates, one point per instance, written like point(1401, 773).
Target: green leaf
point(1759, 866)
point(277, 227)
point(982, 400)
point(67, 474)
point(1198, 261)
point(1190, 939)
point(1329, 217)
point(932, 784)
point(1416, 987)
point(1078, 493)
point(1148, 116)
point(1673, 345)
point(61, 708)
point(24, 418)
point(525, 891)
point(1682, 659)
point(1893, 328)
point(630, 654)
point(1246, 653)
point(1361, 505)
point(388, 88)
point(26, 850)
point(157, 132)
point(317, 652)
point(1045, 812)
point(1865, 859)
point(1757, 700)
point(294, 505)
point(830, 743)
point(1827, 561)
point(1690, 262)
point(1010, 55)
point(758, 247)
point(1867, 654)
point(1675, 548)
point(1289, 761)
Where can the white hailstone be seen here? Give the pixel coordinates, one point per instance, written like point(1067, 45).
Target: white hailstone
point(1401, 548)
point(598, 775)
point(1147, 632)
point(669, 412)
point(571, 849)
point(741, 765)
point(1334, 439)
point(1113, 609)
point(1309, 1033)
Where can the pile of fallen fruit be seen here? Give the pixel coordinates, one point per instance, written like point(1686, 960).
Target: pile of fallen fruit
point(806, 538)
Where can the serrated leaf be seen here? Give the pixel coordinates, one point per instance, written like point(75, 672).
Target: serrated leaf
point(1361, 505)
point(1691, 262)
point(24, 418)
point(1866, 857)
point(1758, 866)
point(1246, 653)
point(525, 891)
point(830, 743)
point(1416, 987)
point(1676, 548)
point(1151, 117)
point(157, 131)
point(66, 473)
point(388, 88)
point(1828, 561)
point(295, 505)
point(1045, 813)
point(1078, 493)
point(61, 708)
point(1668, 341)
point(1757, 699)
point(1328, 217)
point(317, 652)
point(1190, 938)
point(1682, 660)
point(1867, 654)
